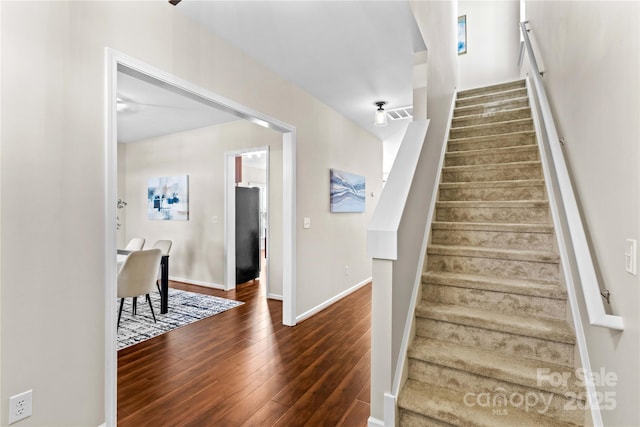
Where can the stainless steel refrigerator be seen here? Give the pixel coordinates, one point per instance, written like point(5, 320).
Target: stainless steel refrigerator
point(247, 234)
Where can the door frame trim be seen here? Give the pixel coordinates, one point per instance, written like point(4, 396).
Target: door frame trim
point(115, 60)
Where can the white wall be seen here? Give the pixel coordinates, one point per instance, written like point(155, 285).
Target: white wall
point(53, 183)
point(437, 23)
point(591, 51)
point(197, 254)
point(493, 42)
point(253, 175)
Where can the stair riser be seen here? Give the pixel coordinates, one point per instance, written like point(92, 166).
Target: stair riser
point(491, 159)
point(492, 194)
point(487, 118)
point(515, 215)
point(548, 308)
point(493, 129)
point(488, 90)
point(494, 239)
point(493, 174)
point(513, 269)
point(484, 99)
point(471, 385)
point(503, 342)
point(497, 141)
point(496, 107)
point(411, 419)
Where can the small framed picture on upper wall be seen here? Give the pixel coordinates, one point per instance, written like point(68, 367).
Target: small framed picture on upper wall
point(462, 34)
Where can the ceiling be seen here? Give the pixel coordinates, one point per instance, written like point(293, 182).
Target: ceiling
point(347, 54)
point(147, 110)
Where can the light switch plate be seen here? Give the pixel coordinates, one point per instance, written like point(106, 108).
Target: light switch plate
point(307, 223)
point(630, 256)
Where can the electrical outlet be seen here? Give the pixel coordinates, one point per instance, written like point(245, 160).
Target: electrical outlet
point(20, 406)
point(346, 270)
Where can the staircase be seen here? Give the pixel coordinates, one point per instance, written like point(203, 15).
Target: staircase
point(493, 346)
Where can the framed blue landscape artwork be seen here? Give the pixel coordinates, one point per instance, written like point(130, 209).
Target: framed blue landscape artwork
point(347, 191)
point(462, 34)
point(168, 198)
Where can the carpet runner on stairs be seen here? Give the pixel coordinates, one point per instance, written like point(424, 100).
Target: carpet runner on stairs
point(491, 327)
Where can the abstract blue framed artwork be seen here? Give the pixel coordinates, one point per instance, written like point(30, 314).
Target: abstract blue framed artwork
point(462, 34)
point(168, 198)
point(347, 191)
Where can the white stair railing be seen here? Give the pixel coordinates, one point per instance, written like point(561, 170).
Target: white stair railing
point(566, 199)
point(394, 242)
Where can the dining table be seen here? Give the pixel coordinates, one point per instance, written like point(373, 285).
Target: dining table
point(164, 277)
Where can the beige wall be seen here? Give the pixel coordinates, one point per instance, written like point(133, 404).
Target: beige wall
point(197, 254)
point(53, 183)
point(493, 40)
point(591, 53)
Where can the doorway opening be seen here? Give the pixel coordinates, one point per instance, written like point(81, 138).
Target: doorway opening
point(250, 169)
point(114, 62)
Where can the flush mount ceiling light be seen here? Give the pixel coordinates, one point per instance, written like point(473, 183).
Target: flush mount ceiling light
point(381, 115)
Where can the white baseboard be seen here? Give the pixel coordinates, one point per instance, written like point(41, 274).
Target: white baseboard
point(197, 282)
point(275, 296)
point(374, 422)
point(331, 301)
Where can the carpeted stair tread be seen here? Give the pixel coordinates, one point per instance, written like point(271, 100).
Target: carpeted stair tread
point(488, 151)
point(486, 118)
point(521, 153)
point(490, 107)
point(492, 184)
point(491, 129)
point(493, 226)
point(448, 406)
point(492, 141)
point(490, 97)
point(495, 211)
point(495, 204)
point(492, 204)
point(496, 284)
point(484, 90)
point(492, 253)
point(517, 189)
point(498, 166)
point(487, 363)
point(548, 329)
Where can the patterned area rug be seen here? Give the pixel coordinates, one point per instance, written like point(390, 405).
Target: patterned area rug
point(184, 308)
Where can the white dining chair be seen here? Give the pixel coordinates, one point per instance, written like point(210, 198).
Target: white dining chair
point(138, 276)
point(135, 244)
point(165, 247)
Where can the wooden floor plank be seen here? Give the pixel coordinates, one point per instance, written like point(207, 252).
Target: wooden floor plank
point(309, 403)
point(357, 416)
point(267, 415)
point(332, 411)
point(243, 367)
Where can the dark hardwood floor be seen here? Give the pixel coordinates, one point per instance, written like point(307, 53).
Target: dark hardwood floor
point(243, 368)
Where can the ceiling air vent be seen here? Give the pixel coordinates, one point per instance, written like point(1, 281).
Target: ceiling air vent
point(401, 113)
